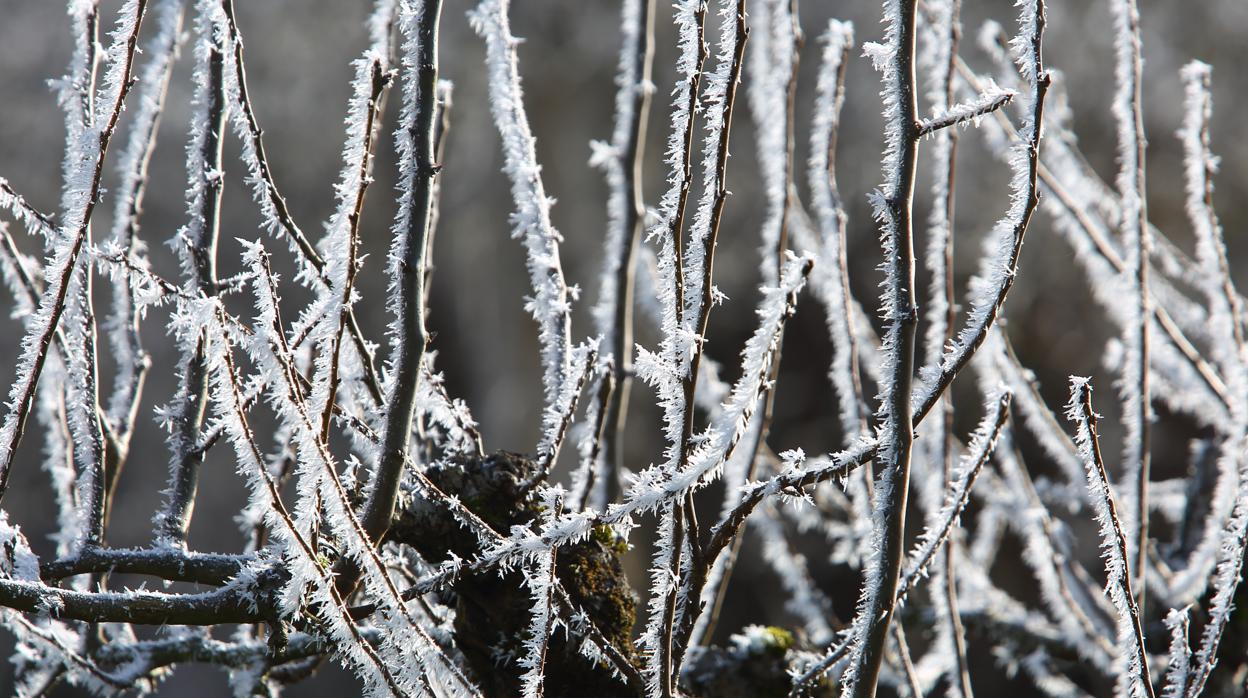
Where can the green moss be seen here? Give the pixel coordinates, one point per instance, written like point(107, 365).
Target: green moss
point(607, 538)
point(778, 639)
point(594, 576)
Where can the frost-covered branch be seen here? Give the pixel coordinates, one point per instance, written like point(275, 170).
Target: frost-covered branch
point(958, 495)
point(623, 160)
point(1132, 671)
point(196, 244)
point(74, 230)
point(992, 99)
point(550, 304)
point(419, 22)
point(895, 59)
point(381, 535)
point(1135, 384)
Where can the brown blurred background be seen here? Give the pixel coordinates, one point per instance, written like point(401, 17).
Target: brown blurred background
point(298, 56)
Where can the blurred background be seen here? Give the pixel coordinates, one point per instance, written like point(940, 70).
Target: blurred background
point(298, 55)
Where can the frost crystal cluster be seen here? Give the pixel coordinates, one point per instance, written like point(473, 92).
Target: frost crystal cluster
point(385, 537)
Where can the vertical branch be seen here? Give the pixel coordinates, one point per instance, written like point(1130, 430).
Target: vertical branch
point(76, 95)
point(1133, 678)
point(1226, 312)
point(542, 584)
point(551, 303)
point(697, 301)
point(587, 482)
point(342, 238)
point(442, 126)
point(940, 57)
point(197, 242)
point(720, 440)
point(344, 228)
point(690, 20)
point(700, 260)
point(624, 162)
point(63, 258)
point(441, 130)
point(125, 343)
point(1178, 669)
point(831, 283)
point(1137, 413)
point(777, 47)
point(419, 22)
point(1228, 348)
point(84, 417)
point(896, 59)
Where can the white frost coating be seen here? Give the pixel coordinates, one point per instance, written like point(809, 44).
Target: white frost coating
point(933, 467)
point(152, 87)
point(432, 402)
point(74, 95)
point(550, 304)
point(1046, 552)
point(971, 111)
point(409, 171)
point(714, 104)
point(15, 270)
point(14, 203)
point(958, 493)
point(80, 190)
point(558, 412)
point(340, 245)
point(1233, 542)
point(194, 236)
point(321, 496)
point(1178, 384)
point(1137, 409)
point(717, 442)
point(658, 485)
point(1178, 671)
point(588, 485)
point(85, 429)
point(884, 57)
point(937, 62)
point(541, 582)
point(997, 264)
point(1192, 579)
point(654, 488)
point(1200, 164)
point(662, 586)
point(828, 281)
point(1046, 679)
point(380, 24)
point(610, 158)
point(1078, 198)
point(1036, 415)
point(415, 659)
point(449, 414)
point(770, 64)
point(668, 367)
point(1131, 665)
point(307, 575)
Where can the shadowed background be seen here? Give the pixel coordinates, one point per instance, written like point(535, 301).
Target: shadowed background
point(298, 58)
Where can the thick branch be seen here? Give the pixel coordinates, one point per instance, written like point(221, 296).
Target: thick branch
point(413, 337)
